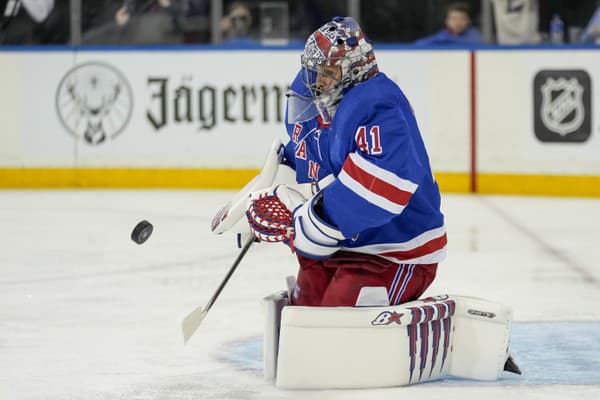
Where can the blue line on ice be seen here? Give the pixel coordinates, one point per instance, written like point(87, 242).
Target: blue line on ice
point(547, 353)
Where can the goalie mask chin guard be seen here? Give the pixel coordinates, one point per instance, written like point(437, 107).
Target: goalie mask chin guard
point(336, 57)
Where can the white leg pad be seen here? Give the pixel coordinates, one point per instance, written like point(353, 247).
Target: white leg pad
point(369, 347)
point(481, 339)
point(272, 306)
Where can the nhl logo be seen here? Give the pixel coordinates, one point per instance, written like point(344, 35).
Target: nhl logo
point(562, 106)
point(562, 98)
point(94, 102)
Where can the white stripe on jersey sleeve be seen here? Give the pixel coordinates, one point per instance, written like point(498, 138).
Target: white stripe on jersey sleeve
point(403, 246)
point(369, 196)
point(384, 174)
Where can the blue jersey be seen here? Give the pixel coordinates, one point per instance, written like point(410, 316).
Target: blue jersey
point(384, 200)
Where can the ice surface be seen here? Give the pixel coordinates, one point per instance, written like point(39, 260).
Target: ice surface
point(85, 313)
point(547, 352)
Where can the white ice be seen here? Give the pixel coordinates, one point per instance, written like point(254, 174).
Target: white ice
point(85, 313)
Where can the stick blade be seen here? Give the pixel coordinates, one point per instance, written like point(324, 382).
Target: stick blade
point(190, 324)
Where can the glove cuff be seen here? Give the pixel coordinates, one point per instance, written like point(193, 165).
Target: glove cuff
point(314, 237)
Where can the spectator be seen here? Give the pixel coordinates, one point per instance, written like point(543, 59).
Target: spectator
point(591, 34)
point(516, 22)
point(458, 30)
point(103, 22)
point(158, 22)
point(23, 19)
point(236, 25)
point(140, 22)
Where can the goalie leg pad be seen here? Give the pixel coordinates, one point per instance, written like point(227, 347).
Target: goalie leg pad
point(481, 339)
point(370, 347)
point(272, 306)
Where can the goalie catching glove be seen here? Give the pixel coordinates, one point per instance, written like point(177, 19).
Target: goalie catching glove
point(283, 214)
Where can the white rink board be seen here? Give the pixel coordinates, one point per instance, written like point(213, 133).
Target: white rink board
point(507, 142)
point(243, 102)
point(437, 84)
point(193, 141)
point(211, 135)
point(9, 110)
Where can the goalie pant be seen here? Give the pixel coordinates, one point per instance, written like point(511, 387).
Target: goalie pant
point(336, 281)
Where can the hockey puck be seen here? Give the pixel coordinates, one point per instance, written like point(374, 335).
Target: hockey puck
point(141, 232)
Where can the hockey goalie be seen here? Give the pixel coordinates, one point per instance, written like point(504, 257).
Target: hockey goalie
point(360, 209)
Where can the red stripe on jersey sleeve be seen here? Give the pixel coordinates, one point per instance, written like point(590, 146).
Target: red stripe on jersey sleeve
point(376, 185)
point(427, 248)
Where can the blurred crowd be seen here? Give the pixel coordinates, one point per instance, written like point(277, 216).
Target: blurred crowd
point(256, 22)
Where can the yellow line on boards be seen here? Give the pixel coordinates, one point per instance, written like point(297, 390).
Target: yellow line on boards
point(542, 185)
point(173, 178)
point(453, 182)
point(124, 178)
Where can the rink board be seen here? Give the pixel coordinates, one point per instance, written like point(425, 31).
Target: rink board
point(194, 119)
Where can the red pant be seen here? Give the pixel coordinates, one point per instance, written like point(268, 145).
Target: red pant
point(337, 281)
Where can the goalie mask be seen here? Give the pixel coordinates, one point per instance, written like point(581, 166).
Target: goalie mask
point(300, 104)
point(336, 57)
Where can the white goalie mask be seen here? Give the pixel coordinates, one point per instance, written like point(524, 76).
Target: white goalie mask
point(336, 57)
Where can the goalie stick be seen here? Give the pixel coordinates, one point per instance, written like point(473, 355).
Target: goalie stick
point(192, 321)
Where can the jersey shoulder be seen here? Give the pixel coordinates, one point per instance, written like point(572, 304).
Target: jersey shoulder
point(375, 110)
point(370, 98)
point(375, 101)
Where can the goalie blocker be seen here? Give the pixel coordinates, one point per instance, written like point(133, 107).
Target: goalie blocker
point(383, 346)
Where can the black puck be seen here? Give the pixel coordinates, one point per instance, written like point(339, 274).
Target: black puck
point(142, 232)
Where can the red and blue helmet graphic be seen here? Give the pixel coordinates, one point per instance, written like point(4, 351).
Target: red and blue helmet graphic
point(341, 42)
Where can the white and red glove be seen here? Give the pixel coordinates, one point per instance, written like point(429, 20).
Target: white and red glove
point(283, 214)
point(270, 213)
